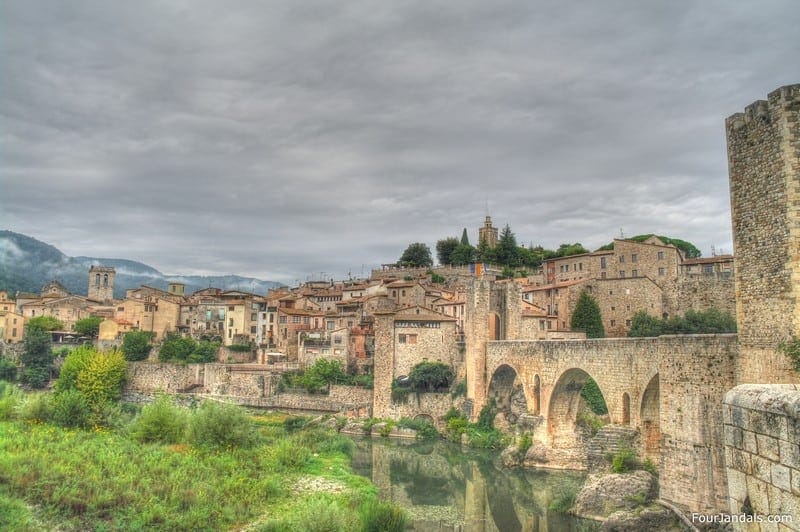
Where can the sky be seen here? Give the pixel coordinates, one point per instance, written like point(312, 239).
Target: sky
point(299, 140)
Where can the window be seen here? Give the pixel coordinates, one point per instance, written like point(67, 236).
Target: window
point(634, 257)
point(602, 275)
point(580, 266)
point(613, 322)
point(662, 271)
point(230, 333)
point(541, 325)
point(660, 255)
point(635, 273)
point(621, 274)
point(253, 316)
point(295, 319)
point(622, 258)
point(272, 318)
point(282, 319)
point(306, 320)
point(708, 269)
point(613, 308)
point(403, 293)
point(253, 329)
point(331, 325)
point(231, 309)
point(627, 323)
point(337, 339)
point(230, 322)
point(602, 262)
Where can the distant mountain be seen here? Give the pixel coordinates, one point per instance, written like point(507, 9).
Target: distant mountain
point(27, 264)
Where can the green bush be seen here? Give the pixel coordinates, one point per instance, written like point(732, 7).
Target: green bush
point(8, 370)
point(425, 429)
point(624, 460)
point(563, 499)
point(76, 361)
point(36, 377)
point(377, 516)
point(430, 377)
point(71, 409)
point(240, 348)
point(10, 399)
point(36, 407)
point(594, 397)
point(525, 442)
point(217, 425)
point(102, 378)
point(160, 421)
point(294, 423)
point(486, 415)
point(459, 390)
point(292, 457)
point(176, 348)
point(136, 345)
point(400, 393)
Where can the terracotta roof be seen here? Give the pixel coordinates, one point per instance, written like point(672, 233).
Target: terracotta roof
point(421, 314)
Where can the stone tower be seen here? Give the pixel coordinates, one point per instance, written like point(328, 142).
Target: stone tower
point(764, 168)
point(101, 283)
point(488, 233)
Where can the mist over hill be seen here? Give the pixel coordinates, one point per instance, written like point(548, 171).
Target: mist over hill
point(27, 264)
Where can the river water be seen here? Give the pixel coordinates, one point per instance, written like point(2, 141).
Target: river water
point(445, 488)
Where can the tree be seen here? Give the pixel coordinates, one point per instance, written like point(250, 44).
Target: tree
point(88, 326)
point(586, 317)
point(176, 348)
point(567, 250)
point(444, 249)
point(136, 345)
point(484, 253)
point(36, 357)
point(464, 237)
point(643, 324)
point(507, 252)
point(44, 323)
point(430, 376)
point(416, 255)
point(463, 254)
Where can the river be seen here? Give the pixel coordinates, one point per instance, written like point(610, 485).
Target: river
point(446, 488)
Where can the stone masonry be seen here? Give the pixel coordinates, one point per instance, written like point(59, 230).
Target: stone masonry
point(762, 455)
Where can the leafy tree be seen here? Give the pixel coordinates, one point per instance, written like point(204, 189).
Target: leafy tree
point(463, 254)
point(507, 252)
point(464, 237)
point(8, 370)
point(176, 348)
point(416, 255)
point(430, 376)
point(444, 249)
point(204, 352)
point(484, 253)
point(44, 323)
point(102, 378)
point(75, 362)
point(643, 324)
point(88, 326)
point(324, 372)
point(36, 357)
point(586, 316)
point(567, 250)
point(136, 345)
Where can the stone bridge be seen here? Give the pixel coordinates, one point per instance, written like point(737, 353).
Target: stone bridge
point(669, 389)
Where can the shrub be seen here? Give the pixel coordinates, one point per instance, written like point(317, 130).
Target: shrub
point(75, 362)
point(88, 326)
point(71, 409)
point(204, 352)
point(486, 416)
point(8, 370)
point(37, 408)
point(430, 376)
point(400, 393)
point(563, 500)
point(218, 425)
point(240, 348)
point(160, 421)
point(36, 377)
point(377, 516)
point(10, 398)
point(294, 423)
point(176, 348)
point(460, 389)
point(594, 397)
point(425, 429)
point(624, 460)
point(320, 513)
point(102, 378)
point(525, 442)
point(136, 345)
point(291, 456)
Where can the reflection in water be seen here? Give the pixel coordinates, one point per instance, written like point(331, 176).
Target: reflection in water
point(446, 488)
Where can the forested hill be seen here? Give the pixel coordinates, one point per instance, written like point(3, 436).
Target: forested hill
point(27, 264)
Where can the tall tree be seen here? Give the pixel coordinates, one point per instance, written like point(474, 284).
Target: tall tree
point(44, 323)
point(586, 317)
point(37, 357)
point(464, 237)
point(506, 251)
point(88, 326)
point(463, 254)
point(444, 249)
point(484, 253)
point(416, 255)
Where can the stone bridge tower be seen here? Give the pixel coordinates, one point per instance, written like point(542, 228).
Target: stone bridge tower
point(101, 283)
point(764, 168)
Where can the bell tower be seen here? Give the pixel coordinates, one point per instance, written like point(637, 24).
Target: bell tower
point(101, 283)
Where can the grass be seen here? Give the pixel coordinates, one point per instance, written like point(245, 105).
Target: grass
point(105, 479)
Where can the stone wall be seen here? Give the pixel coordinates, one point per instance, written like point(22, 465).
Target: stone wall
point(434, 405)
point(166, 378)
point(762, 452)
point(699, 293)
point(764, 165)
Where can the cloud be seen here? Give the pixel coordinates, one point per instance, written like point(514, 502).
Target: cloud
point(281, 139)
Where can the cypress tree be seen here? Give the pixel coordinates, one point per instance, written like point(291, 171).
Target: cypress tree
point(586, 316)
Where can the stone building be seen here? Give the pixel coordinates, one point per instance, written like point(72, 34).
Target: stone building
point(488, 233)
point(150, 309)
point(101, 284)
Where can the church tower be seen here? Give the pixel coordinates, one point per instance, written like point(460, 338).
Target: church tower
point(488, 233)
point(101, 283)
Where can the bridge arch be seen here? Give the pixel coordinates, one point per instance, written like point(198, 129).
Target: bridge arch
point(650, 415)
point(564, 405)
point(508, 392)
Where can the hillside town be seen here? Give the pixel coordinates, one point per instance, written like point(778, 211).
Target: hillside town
point(335, 318)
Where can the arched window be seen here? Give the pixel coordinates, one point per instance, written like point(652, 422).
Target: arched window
point(105, 280)
point(97, 279)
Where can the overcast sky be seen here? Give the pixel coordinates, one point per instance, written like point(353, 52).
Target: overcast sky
point(286, 139)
